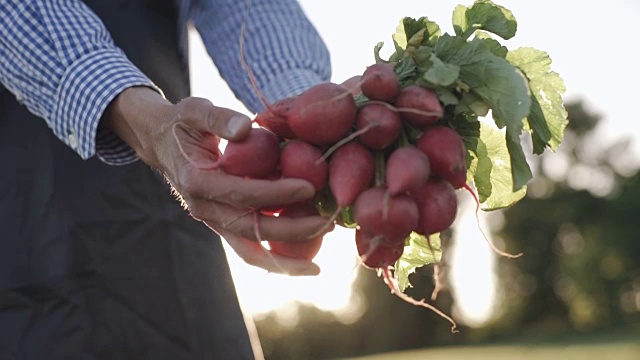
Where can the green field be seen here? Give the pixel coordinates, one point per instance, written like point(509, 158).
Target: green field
point(615, 347)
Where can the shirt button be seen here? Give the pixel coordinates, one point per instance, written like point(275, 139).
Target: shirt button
point(73, 140)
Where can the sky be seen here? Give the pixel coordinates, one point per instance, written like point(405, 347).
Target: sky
point(592, 46)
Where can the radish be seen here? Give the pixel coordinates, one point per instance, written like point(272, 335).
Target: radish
point(323, 114)
point(407, 170)
point(419, 106)
point(374, 253)
point(304, 161)
point(255, 156)
point(351, 171)
point(437, 205)
point(306, 249)
point(447, 155)
point(379, 82)
point(392, 218)
point(274, 118)
point(385, 125)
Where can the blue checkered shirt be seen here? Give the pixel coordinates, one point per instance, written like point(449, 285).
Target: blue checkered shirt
point(59, 60)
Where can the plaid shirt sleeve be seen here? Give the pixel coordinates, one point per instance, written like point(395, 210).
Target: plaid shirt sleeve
point(60, 62)
point(281, 46)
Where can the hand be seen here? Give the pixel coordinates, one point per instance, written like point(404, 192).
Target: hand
point(163, 133)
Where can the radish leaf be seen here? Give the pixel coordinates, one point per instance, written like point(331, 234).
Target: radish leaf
point(417, 253)
point(485, 15)
point(548, 117)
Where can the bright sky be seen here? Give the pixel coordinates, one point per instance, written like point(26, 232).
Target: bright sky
point(590, 43)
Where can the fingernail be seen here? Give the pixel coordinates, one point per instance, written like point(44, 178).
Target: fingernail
point(304, 192)
point(236, 123)
point(310, 271)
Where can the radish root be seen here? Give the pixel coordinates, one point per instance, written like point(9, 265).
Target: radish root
point(405, 110)
point(437, 282)
point(393, 286)
point(199, 140)
point(436, 272)
point(244, 63)
point(491, 244)
point(256, 229)
point(324, 228)
point(344, 141)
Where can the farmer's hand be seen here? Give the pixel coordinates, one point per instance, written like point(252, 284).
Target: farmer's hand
point(181, 141)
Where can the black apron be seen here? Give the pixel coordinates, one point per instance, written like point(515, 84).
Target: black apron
point(99, 261)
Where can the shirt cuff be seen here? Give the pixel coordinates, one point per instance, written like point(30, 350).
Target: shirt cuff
point(85, 91)
point(290, 83)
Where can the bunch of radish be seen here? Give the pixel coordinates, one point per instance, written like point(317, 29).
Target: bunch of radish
point(383, 150)
point(380, 161)
point(359, 155)
point(378, 155)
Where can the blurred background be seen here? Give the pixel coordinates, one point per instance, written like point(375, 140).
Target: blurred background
point(576, 291)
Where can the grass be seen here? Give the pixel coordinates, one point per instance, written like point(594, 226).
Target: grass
point(614, 347)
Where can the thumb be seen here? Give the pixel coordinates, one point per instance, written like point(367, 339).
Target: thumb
point(202, 115)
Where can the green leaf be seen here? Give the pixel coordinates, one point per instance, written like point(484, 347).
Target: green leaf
point(493, 176)
point(459, 19)
point(485, 15)
point(376, 53)
point(347, 218)
point(446, 96)
point(519, 167)
point(425, 31)
point(472, 103)
point(405, 69)
point(417, 253)
point(501, 85)
point(494, 45)
point(440, 73)
point(548, 117)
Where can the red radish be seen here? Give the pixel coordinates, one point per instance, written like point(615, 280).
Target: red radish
point(419, 106)
point(301, 160)
point(437, 205)
point(305, 249)
point(385, 125)
point(323, 114)
point(407, 170)
point(374, 253)
point(255, 156)
point(274, 118)
point(446, 152)
point(392, 218)
point(379, 82)
point(351, 171)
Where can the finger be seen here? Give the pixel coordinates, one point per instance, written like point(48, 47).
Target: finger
point(202, 115)
point(253, 253)
point(244, 192)
point(251, 225)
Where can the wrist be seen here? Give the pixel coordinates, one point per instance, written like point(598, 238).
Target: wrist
point(134, 116)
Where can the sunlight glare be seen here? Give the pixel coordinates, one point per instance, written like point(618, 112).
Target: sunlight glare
point(472, 269)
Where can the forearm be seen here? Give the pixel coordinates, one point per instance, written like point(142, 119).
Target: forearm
point(135, 116)
point(61, 63)
point(281, 46)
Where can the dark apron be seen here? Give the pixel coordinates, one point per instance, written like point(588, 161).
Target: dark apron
point(101, 262)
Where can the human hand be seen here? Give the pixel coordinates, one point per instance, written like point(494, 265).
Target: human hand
point(181, 141)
